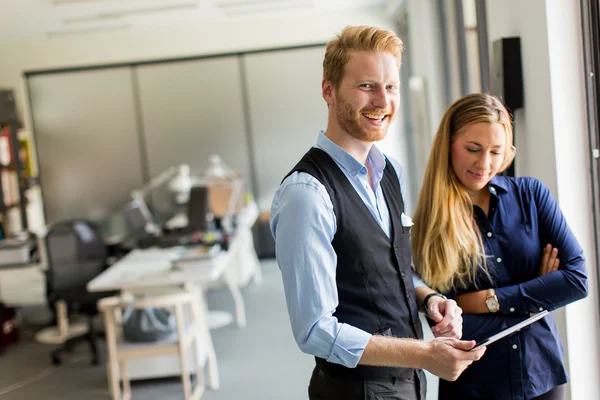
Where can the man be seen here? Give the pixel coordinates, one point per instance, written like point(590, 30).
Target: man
point(342, 242)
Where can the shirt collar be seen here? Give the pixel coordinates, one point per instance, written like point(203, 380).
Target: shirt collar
point(498, 184)
point(376, 159)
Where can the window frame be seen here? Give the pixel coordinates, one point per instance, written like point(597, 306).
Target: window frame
point(590, 18)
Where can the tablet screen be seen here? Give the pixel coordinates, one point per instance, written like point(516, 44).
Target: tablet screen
point(510, 330)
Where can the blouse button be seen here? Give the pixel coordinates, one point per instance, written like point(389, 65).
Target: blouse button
point(541, 308)
point(512, 309)
point(499, 259)
point(489, 234)
point(514, 346)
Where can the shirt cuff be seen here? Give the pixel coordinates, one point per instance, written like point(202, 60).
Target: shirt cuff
point(349, 346)
point(417, 281)
point(512, 302)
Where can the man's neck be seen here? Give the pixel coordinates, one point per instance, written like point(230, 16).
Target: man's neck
point(356, 148)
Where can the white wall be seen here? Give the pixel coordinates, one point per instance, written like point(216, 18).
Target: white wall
point(552, 145)
point(427, 91)
point(572, 160)
point(203, 39)
point(426, 57)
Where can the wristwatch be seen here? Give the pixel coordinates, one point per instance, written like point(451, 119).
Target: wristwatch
point(491, 301)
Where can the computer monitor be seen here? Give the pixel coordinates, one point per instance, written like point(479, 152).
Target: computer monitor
point(198, 208)
point(136, 221)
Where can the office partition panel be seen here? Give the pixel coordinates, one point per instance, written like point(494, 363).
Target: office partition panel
point(87, 141)
point(190, 110)
point(286, 111)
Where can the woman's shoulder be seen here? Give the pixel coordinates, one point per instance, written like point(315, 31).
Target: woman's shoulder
point(520, 184)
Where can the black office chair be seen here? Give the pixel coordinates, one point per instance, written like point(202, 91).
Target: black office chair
point(76, 254)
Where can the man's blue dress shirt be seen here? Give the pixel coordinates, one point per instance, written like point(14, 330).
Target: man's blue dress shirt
point(523, 217)
point(303, 225)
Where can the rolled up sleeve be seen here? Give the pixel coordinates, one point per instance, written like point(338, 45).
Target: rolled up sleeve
point(303, 225)
point(556, 289)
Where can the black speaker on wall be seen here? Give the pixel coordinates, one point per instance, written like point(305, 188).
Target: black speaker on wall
point(7, 106)
point(507, 78)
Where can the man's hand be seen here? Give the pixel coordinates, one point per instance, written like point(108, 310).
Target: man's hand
point(447, 316)
point(550, 260)
point(448, 357)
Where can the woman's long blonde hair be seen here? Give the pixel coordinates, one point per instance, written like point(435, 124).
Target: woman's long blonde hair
point(446, 243)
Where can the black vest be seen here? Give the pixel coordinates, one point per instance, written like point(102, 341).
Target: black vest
point(373, 274)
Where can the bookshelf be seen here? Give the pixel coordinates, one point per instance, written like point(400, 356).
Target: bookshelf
point(15, 173)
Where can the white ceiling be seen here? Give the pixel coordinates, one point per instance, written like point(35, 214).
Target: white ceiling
point(26, 19)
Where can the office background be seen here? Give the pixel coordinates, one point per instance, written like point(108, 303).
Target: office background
point(142, 119)
point(553, 143)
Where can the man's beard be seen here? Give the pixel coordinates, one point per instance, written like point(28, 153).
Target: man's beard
point(349, 120)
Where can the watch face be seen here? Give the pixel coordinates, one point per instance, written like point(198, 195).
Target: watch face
point(492, 303)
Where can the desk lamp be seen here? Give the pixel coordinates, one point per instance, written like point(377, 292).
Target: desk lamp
point(179, 182)
point(226, 189)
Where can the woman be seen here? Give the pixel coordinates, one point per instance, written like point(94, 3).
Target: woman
point(491, 242)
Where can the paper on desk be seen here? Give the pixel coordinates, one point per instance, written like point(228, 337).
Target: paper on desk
point(197, 253)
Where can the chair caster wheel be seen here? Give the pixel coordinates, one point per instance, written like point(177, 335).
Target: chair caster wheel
point(56, 360)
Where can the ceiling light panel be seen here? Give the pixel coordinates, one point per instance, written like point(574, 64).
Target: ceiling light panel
point(235, 8)
point(126, 12)
point(24, 19)
point(83, 31)
point(349, 4)
point(137, 13)
point(70, 2)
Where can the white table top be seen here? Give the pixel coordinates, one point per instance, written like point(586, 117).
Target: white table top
point(153, 267)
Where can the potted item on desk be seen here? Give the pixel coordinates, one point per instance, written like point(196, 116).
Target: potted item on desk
point(189, 256)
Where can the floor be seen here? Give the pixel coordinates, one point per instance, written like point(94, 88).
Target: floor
point(260, 361)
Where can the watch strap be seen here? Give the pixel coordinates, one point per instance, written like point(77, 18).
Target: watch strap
point(428, 297)
point(491, 295)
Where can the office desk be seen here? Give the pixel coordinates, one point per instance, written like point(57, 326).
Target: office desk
point(25, 285)
point(148, 270)
point(141, 271)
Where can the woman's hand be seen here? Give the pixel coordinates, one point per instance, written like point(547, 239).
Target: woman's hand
point(550, 261)
point(474, 302)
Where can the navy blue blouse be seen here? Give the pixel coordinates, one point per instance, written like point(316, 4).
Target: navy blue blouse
point(523, 217)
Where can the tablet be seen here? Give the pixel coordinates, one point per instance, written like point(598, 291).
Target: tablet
point(508, 331)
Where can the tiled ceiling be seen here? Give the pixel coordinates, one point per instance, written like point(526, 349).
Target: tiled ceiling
point(25, 19)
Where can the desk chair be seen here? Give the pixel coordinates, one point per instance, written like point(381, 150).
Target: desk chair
point(76, 254)
point(192, 329)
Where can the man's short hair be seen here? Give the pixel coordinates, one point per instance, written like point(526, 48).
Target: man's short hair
point(358, 38)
